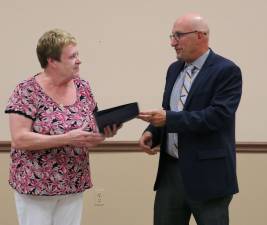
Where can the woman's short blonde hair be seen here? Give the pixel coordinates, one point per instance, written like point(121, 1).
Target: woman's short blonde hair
point(51, 43)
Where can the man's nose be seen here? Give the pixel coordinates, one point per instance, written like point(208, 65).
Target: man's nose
point(174, 42)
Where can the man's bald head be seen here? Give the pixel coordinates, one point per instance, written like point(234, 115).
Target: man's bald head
point(190, 37)
point(193, 21)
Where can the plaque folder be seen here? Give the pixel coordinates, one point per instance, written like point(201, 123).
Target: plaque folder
point(116, 115)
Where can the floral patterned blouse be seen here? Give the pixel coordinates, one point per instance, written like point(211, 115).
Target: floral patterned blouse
point(54, 171)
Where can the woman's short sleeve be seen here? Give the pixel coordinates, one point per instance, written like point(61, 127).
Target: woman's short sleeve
point(22, 100)
point(89, 95)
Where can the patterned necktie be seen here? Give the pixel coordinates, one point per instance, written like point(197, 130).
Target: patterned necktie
point(189, 73)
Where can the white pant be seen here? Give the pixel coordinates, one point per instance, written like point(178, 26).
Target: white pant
point(49, 210)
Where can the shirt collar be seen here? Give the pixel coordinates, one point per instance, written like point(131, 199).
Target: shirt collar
point(198, 63)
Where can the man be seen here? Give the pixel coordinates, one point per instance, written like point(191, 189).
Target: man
point(195, 130)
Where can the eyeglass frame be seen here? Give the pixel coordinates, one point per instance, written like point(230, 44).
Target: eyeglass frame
point(178, 35)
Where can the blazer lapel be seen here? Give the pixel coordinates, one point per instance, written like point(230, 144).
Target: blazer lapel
point(201, 77)
point(170, 83)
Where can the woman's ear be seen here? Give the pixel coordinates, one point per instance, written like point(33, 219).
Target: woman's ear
point(52, 62)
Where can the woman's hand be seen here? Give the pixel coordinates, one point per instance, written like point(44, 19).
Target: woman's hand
point(110, 131)
point(81, 138)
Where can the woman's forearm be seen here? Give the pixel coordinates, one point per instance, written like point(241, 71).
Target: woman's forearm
point(34, 141)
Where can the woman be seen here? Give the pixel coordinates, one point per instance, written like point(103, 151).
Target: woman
point(52, 127)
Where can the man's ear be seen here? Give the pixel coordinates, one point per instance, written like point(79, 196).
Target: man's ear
point(199, 35)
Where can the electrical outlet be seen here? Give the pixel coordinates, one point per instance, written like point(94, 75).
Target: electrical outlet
point(99, 197)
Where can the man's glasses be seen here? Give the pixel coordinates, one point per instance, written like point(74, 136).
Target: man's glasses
point(178, 35)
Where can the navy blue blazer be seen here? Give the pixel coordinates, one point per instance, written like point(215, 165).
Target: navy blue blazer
point(206, 128)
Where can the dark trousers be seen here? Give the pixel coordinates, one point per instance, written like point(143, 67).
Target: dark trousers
point(173, 207)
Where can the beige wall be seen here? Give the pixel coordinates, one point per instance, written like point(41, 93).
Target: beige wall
point(127, 180)
point(125, 51)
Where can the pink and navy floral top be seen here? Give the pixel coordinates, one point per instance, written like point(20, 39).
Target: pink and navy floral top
point(55, 171)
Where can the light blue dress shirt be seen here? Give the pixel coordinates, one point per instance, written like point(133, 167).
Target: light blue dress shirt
point(172, 140)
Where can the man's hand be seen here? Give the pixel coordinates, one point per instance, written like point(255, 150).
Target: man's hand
point(155, 117)
point(145, 143)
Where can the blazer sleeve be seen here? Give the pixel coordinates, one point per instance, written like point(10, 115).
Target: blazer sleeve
point(221, 110)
